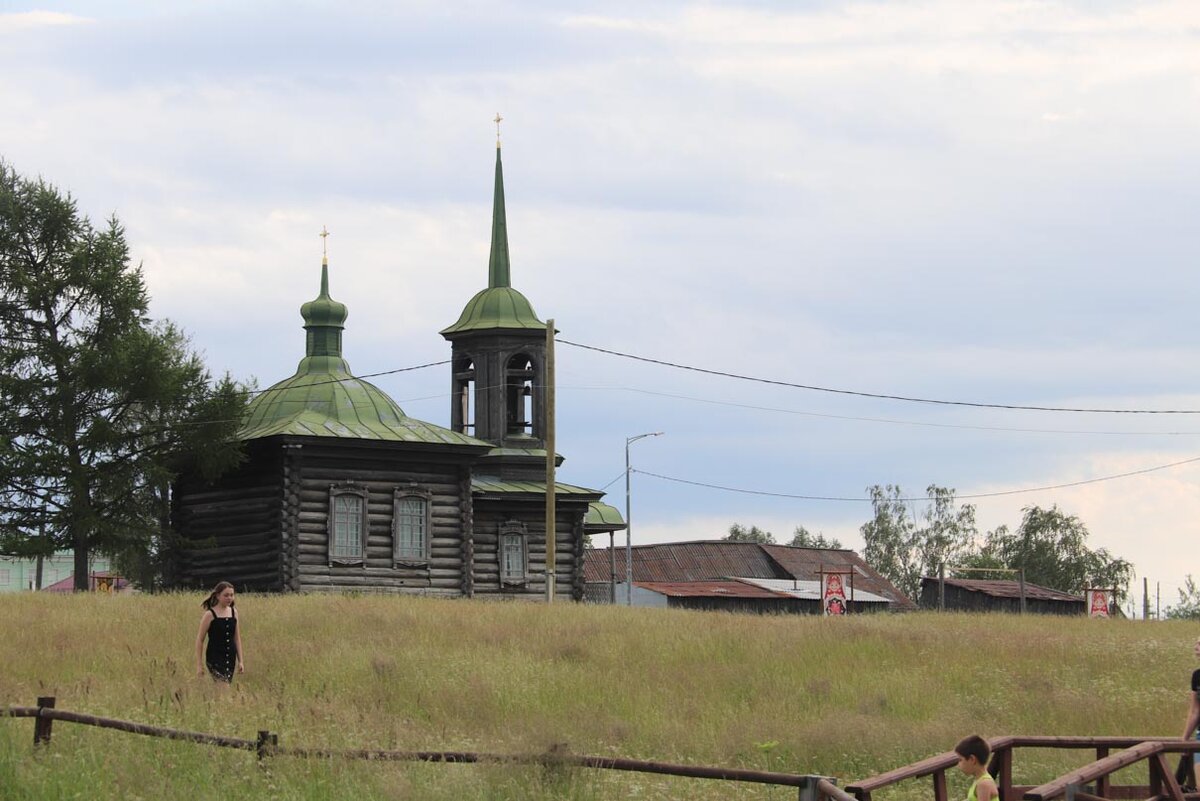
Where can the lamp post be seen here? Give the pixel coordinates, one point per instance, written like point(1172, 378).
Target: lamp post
point(629, 519)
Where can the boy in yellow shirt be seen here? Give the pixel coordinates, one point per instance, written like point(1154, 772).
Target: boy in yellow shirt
point(973, 755)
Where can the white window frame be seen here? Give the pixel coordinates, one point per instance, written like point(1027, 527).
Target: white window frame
point(513, 531)
point(411, 556)
point(337, 491)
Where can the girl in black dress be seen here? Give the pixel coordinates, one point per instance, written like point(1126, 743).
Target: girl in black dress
point(220, 624)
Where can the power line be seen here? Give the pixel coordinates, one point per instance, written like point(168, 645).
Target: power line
point(883, 396)
point(907, 500)
point(352, 377)
point(884, 419)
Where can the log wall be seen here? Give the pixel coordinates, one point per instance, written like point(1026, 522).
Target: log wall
point(491, 514)
point(381, 472)
point(230, 531)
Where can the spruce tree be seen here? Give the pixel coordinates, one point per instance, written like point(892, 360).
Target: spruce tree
point(99, 406)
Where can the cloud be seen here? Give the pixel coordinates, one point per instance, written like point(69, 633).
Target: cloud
point(965, 200)
point(27, 20)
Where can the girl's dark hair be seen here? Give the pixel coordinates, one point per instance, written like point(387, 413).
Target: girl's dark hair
point(211, 600)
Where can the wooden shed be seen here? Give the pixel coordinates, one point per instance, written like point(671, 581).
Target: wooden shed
point(982, 595)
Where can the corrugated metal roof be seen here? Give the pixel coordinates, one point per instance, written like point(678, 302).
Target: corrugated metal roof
point(710, 560)
point(708, 589)
point(691, 561)
point(487, 484)
point(1008, 589)
point(811, 590)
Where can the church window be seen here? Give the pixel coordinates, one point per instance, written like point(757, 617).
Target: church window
point(519, 376)
point(514, 553)
point(347, 524)
point(410, 526)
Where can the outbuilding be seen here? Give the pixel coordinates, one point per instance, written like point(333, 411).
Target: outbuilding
point(987, 595)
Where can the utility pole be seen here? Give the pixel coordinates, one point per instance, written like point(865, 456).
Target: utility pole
point(37, 573)
point(551, 526)
point(1145, 598)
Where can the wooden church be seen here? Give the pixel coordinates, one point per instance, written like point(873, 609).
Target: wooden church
point(341, 490)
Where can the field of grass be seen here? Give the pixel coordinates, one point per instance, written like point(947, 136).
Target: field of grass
point(842, 697)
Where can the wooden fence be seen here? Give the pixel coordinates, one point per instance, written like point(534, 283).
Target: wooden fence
point(810, 787)
point(1092, 782)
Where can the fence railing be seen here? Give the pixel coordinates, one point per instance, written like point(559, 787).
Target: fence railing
point(810, 787)
point(1092, 782)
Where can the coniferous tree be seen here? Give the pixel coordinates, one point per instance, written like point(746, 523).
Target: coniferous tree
point(99, 407)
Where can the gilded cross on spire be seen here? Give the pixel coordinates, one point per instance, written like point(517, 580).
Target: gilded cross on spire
point(498, 120)
point(324, 245)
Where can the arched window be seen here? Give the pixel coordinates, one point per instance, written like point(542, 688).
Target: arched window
point(347, 524)
point(514, 553)
point(463, 414)
point(518, 394)
point(410, 526)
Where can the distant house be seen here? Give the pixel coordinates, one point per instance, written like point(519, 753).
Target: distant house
point(735, 576)
point(98, 581)
point(19, 573)
point(981, 595)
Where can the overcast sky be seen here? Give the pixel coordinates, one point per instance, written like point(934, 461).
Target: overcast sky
point(991, 202)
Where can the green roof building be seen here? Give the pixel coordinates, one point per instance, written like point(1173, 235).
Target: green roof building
point(341, 490)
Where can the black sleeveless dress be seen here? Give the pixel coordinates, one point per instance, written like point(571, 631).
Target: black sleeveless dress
point(221, 653)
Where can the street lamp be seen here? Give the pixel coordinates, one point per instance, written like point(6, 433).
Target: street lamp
point(629, 519)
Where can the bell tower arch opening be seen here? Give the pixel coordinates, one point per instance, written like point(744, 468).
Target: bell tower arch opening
point(519, 375)
point(463, 411)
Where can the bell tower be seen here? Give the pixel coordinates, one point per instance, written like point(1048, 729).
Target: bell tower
point(498, 351)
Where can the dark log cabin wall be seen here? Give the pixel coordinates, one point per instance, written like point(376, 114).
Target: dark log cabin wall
point(232, 528)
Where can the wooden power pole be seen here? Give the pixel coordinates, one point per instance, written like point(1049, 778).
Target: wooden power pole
point(551, 527)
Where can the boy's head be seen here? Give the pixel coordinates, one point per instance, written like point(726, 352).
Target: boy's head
point(973, 751)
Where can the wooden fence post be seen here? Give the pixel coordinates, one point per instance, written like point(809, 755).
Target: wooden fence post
point(266, 744)
point(42, 726)
point(939, 786)
point(1105, 781)
point(1001, 771)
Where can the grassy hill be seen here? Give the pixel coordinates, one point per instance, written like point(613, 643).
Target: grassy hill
point(847, 698)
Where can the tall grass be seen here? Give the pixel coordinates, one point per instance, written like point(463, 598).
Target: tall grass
point(846, 698)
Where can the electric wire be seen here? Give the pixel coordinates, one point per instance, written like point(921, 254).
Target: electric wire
point(922, 423)
point(253, 392)
point(971, 496)
point(883, 396)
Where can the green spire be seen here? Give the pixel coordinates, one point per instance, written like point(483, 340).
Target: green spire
point(498, 306)
point(498, 262)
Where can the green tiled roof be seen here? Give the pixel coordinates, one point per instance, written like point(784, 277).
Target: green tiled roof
point(324, 399)
point(487, 484)
point(602, 517)
point(498, 306)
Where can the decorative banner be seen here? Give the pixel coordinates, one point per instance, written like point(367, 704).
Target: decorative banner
point(1097, 603)
point(833, 594)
